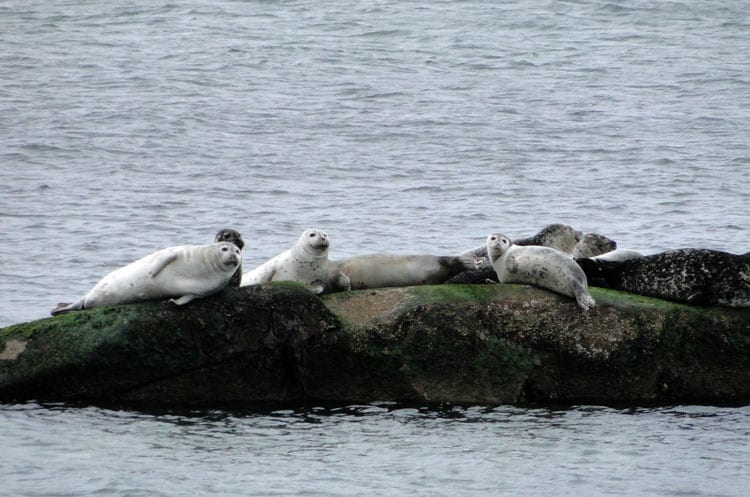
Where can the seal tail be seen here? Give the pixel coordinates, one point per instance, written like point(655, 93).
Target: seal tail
point(64, 307)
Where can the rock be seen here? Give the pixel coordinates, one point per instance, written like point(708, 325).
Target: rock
point(467, 344)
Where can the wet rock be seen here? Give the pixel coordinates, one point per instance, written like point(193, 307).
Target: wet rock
point(468, 344)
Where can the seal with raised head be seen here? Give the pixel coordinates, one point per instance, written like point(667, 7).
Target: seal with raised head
point(393, 270)
point(557, 236)
point(593, 244)
point(304, 263)
point(232, 236)
point(181, 273)
point(540, 266)
point(692, 276)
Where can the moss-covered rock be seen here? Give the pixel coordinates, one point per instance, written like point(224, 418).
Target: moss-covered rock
point(471, 344)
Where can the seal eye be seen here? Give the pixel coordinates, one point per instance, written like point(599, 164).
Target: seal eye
point(224, 249)
point(312, 235)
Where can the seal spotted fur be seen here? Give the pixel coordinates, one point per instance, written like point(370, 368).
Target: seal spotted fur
point(540, 266)
point(693, 276)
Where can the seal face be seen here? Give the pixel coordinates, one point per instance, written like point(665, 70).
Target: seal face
point(593, 244)
point(692, 276)
point(232, 236)
point(304, 263)
point(540, 266)
point(181, 273)
point(392, 270)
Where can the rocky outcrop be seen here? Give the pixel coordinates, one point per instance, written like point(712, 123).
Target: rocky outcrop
point(468, 344)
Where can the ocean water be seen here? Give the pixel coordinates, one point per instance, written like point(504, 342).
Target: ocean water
point(397, 127)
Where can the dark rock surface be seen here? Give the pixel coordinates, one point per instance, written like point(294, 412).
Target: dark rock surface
point(468, 344)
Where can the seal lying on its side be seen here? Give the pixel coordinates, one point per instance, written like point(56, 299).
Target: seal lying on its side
point(232, 236)
point(557, 236)
point(540, 266)
point(693, 276)
point(387, 270)
point(186, 272)
point(304, 263)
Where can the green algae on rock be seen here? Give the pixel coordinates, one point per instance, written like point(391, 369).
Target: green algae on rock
point(469, 344)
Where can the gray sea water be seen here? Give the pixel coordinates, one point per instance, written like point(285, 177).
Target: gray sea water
point(395, 126)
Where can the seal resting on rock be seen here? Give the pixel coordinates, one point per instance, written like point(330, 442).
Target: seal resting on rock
point(592, 245)
point(693, 276)
point(232, 236)
point(557, 236)
point(539, 266)
point(388, 270)
point(181, 273)
point(304, 263)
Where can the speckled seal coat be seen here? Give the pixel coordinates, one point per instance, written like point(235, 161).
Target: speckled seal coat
point(540, 266)
point(304, 263)
point(182, 272)
point(232, 236)
point(557, 236)
point(693, 276)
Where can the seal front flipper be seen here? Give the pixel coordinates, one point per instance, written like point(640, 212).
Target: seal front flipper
point(160, 263)
point(185, 299)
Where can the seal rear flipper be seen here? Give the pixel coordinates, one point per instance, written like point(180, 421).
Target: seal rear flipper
point(64, 307)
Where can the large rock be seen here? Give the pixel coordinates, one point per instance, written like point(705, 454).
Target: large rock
point(470, 344)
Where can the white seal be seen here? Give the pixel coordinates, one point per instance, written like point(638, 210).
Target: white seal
point(180, 273)
point(391, 270)
point(540, 266)
point(304, 263)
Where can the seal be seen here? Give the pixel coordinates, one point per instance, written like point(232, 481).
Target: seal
point(181, 273)
point(558, 236)
point(692, 276)
point(593, 244)
point(305, 262)
point(540, 266)
point(392, 270)
point(232, 236)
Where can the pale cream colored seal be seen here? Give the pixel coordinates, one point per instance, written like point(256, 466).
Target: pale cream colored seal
point(181, 273)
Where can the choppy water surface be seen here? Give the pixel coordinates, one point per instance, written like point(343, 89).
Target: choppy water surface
point(376, 450)
point(396, 126)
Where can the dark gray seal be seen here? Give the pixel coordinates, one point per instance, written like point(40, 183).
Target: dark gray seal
point(232, 236)
point(692, 276)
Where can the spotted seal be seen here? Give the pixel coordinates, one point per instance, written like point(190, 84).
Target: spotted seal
point(557, 236)
point(693, 276)
point(540, 266)
point(232, 236)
